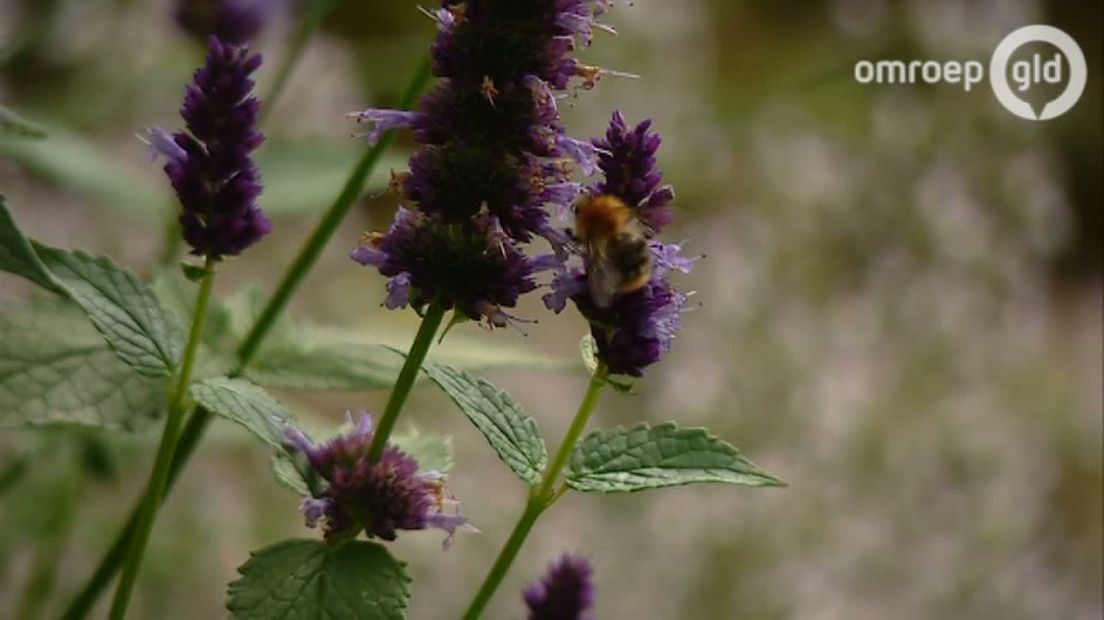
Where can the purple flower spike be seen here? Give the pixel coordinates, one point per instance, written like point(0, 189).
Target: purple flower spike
point(627, 159)
point(233, 21)
point(378, 498)
point(638, 326)
point(209, 165)
point(492, 148)
point(564, 593)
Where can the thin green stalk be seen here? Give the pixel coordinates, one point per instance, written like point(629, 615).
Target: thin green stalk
point(431, 322)
point(163, 463)
point(293, 278)
point(315, 12)
point(540, 499)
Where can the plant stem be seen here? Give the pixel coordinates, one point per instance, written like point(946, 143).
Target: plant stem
point(418, 350)
point(540, 499)
point(163, 463)
point(200, 419)
point(315, 13)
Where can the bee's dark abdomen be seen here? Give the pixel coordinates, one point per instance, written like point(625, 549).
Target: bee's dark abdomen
point(631, 257)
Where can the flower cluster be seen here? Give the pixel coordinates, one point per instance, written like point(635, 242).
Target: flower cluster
point(210, 165)
point(564, 593)
point(493, 155)
point(235, 22)
point(639, 325)
point(376, 497)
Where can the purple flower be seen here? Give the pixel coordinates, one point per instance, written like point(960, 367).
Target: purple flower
point(477, 269)
point(490, 132)
point(209, 165)
point(637, 327)
point(233, 21)
point(627, 159)
point(564, 593)
point(378, 498)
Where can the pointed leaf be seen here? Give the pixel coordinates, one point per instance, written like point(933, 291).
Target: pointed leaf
point(245, 403)
point(55, 369)
point(311, 580)
point(512, 434)
point(121, 307)
point(651, 457)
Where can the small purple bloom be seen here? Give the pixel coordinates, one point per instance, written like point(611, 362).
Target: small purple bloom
point(566, 591)
point(383, 120)
point(209, 165)
point(378, 498)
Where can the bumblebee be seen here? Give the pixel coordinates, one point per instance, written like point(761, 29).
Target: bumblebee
point(618, 258)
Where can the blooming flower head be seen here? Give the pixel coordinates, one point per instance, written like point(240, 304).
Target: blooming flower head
point(637, 326)
point(627, 160)
point(478, 269)
point(234, 22)
point(564, 593)
point(494, 154)
point(209, 165)
point(378, 498)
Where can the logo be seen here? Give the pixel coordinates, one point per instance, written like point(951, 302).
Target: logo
point(1025, 73)
point(1035, 71)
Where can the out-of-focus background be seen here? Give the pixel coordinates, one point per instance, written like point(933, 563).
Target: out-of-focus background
point(901, 314)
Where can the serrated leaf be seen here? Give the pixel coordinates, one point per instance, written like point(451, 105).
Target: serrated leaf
point(432, 451)
point(55, 369)
point(651, 457)
point(245, 403)
point(512, 434)
point(120, 306)
point(288, 474)
point(18, 257)
point(311, 580)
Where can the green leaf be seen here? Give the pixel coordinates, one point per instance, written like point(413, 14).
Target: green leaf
point(245, 403)
point(193, 273)
point(55, 369)
point(512, 434)
point(123, 309)
point(311, 580)
point(651, 457)
point(18, 257)
point(432, 451)
point(289, 475)
point(588, 348)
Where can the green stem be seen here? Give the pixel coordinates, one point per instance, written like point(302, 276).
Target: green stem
point(197, 424)
point(539, 500)
point(163, 463)
point(315, 13)
point(418, 350)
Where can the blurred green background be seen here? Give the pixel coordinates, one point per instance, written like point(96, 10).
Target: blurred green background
point(901, 314)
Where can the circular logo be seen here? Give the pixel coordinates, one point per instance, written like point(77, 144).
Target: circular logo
point(998, 77)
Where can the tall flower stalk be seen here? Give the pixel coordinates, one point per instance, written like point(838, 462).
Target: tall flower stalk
point(631, 330)
point(197, 424)
point(217, 184)
point(492, 156)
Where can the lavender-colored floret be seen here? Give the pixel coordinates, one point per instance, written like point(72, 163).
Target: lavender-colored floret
point(565, 592)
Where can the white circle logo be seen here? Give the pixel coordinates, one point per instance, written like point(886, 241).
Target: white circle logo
point(1037, 70)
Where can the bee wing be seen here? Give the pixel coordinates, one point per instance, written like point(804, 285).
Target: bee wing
point(604, 281)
